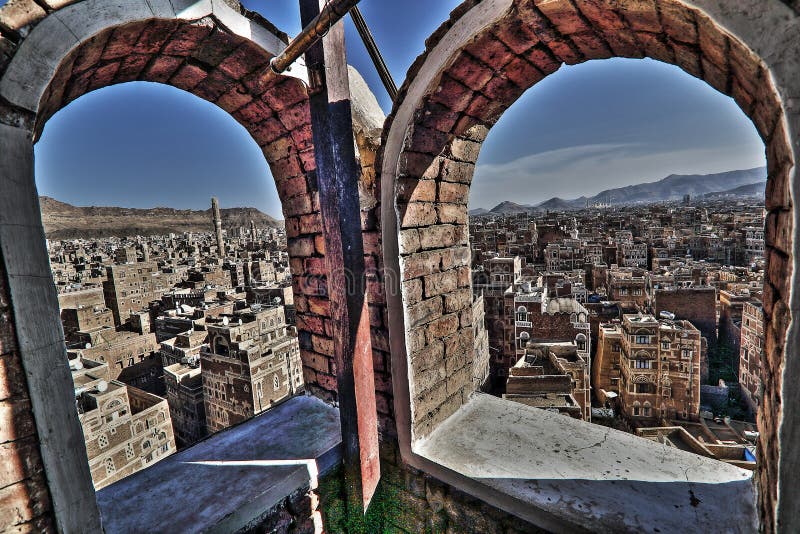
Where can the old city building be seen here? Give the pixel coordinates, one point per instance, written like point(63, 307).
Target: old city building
point(659, 369)
point(414, 384)
point(751, 351)
point(125, 428)
point(184, 385)
point(252, 361)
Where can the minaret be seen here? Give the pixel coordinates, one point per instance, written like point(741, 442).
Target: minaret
point(217, 225)
point(252, 230)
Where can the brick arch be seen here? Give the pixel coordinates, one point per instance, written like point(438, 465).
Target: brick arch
point(215, 49)
point(205, 59)
point(476, 66)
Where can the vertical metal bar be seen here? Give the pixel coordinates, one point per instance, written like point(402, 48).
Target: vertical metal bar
point(337, 177)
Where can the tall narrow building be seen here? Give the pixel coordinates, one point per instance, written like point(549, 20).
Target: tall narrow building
point(217, 225)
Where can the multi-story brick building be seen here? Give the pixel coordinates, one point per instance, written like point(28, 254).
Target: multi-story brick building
point(660, 369)
point(125, 428)
point(751, 350)
point(84, 318)
point(627, 286)
point(606, 372)
point(130, 287)
point(252, 361)
point(184, 385)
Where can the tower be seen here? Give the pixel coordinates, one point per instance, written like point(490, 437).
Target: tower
point(252, 230)
point(217, 225)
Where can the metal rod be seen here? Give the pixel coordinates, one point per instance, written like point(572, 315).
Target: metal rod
point(374, 52)
point(332, 13)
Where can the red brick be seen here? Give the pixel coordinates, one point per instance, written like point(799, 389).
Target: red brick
point(104, 76)
point(187, 77)
point(453, 94)
point(286, 168)
point(307, 158)
point(254, 112)
point(654, 47)
point(296, 116)
point(516, 35)
point(245, 59)
point(90, 52)
point(22, 502)
point(162, 69)
point(319, 306)
point(268, 131)
point(79, 85)
point(214, 86)
point(19, 460)
point(490, 51)
point(16, 419)
point(187, 38)
point(503, 91)
point(285, 95)
point(563, 16)
point(522, 72)
point(438, 117)
point(122, 41)
point(543, 60)
point(217, 46)
point(12, 377)
point(640, 14)
point(679, 22)
point(154, 36)
point(234, 99)
point(591, 45)
point(132, 66)
point(427, 141)
point(470, 71)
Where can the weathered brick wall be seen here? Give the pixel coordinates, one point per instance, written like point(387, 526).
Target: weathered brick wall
point(24, 497)
point(480, 81)
point(409, 501)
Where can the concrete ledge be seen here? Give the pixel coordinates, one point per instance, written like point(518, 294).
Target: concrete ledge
point(227, 481)
point(588, 477)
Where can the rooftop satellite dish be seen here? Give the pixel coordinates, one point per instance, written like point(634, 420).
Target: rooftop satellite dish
point(88, 346)
point(102, 386)
point(225, 321)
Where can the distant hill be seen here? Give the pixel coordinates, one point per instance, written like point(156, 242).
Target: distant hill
point(65, 221)
point(741, 183)
point(757, 189)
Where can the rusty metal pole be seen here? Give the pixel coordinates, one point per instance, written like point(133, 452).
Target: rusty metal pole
point(338, 174)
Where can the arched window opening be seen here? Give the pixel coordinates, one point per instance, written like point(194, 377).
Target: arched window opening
point(154, 278)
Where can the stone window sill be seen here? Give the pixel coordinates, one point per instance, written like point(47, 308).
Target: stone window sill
point(231, 479)
point(568, 475)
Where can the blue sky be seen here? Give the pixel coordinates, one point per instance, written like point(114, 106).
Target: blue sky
point(579, 131)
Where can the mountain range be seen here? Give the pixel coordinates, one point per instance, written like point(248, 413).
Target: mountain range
point(731, 184)
point(65, 221)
